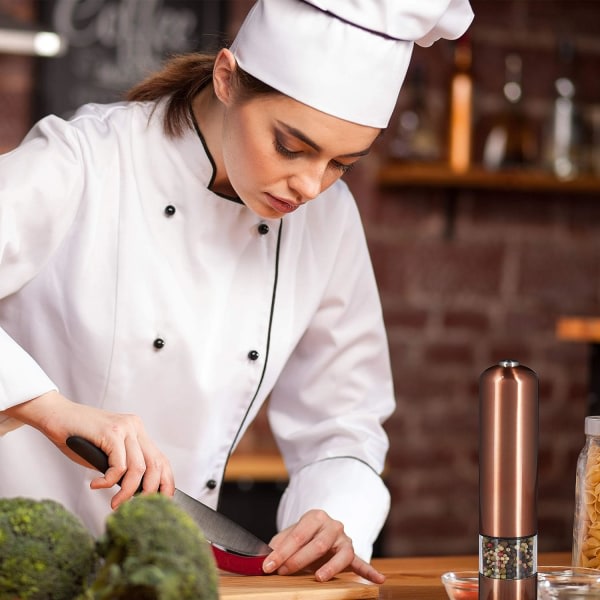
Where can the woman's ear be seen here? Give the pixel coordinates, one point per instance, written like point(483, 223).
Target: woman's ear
point(225, 66)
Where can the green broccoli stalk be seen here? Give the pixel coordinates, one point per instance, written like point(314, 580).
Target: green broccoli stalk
point(153, 550)
point(46, 553)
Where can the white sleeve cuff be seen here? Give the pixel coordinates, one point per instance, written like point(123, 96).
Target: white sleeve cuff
point(348, 490)
point(21, 378)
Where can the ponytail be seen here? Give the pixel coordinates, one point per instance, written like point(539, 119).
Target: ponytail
point(179, 80)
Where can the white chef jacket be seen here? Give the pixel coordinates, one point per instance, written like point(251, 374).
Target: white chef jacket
point(94, 269)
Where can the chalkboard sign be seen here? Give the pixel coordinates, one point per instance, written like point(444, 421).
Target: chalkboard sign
point(113, 44)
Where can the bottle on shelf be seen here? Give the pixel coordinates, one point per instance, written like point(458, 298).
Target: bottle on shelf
point(415, 137)
point(461, 108)
point(512, 140)
point(564, 143)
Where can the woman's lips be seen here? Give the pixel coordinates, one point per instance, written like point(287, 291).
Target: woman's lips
point(282, 206)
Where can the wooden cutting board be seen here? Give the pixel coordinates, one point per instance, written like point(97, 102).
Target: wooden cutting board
point(345, 586)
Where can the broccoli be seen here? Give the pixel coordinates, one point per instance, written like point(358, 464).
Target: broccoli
point(46, 553)
point(153, 550)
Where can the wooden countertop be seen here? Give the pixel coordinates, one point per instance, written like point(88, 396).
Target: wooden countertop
point(407, 578)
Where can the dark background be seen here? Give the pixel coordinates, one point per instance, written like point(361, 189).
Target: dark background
point(113, 44)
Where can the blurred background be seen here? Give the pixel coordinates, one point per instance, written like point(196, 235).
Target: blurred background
point(481, 204)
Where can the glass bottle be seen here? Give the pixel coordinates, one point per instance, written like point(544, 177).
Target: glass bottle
point(461, 108)
point(565, 132)
point(415, 136)
point(586, 523)
point(511, 141)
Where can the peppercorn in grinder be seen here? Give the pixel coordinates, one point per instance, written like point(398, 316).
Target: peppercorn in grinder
point(508, 451)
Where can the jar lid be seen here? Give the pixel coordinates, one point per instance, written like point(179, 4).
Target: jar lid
point(592, 425)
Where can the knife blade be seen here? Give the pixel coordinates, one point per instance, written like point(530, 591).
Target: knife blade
point(235, 549)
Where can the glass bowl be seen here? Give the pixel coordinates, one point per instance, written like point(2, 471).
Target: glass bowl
point(461, 585)
point(568, 583)
point(554, 582)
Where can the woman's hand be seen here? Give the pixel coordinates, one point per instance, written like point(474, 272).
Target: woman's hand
point(131, 453)
point(317, 542)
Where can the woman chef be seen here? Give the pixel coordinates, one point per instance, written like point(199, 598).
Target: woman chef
point(168, 262)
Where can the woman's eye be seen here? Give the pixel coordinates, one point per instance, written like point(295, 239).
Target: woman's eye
point(281, 149)
point(287, 153)
point(341, 166)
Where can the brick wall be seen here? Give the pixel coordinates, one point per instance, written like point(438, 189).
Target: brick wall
point(16, 84)
point(456, 304)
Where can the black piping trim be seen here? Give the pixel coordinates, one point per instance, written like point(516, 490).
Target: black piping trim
point(338, 457)
point(372, 31)
point(262, 375)
point(212, 162)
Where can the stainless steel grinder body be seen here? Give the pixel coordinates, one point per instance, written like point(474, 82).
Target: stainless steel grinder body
point(508, 454)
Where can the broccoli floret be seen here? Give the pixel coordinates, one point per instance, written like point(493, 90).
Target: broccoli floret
point(46, 553)
point(153, 550)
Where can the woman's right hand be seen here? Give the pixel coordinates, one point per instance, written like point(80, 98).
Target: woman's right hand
point(131, 453)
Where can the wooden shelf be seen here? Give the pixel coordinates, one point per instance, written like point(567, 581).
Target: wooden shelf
point(403, 174)
point(578, 329)
point(256, 467)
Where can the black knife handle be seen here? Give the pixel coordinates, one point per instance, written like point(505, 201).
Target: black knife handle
point(96, 457)
point(92, 454)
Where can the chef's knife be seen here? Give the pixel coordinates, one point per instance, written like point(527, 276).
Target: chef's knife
point(235, 549)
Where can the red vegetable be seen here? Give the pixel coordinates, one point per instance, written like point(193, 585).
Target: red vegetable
point(467, 592)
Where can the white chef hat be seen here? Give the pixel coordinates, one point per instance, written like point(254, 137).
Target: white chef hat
point(347, 58)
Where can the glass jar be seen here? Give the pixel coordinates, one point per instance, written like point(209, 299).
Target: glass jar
point(586, 524)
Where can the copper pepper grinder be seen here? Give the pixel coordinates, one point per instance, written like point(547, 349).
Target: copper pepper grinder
point(508, 450)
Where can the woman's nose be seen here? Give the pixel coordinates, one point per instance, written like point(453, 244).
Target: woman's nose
point(308, 182)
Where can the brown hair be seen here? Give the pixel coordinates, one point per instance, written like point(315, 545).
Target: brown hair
point(181, 79)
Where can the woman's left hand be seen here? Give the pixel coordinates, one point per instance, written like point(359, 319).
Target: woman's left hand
point(317, 542)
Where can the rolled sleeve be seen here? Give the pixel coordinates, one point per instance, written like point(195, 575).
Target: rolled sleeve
point(21, 379)
point(348, 490)
point(37, 207)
